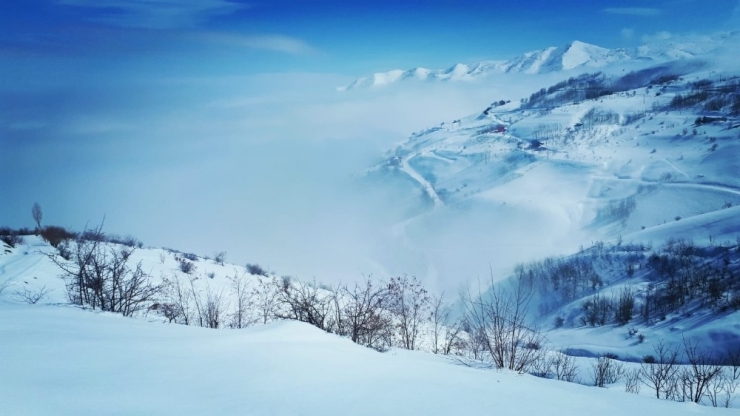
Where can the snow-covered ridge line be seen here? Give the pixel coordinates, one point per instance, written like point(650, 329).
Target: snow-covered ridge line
point(574, 55)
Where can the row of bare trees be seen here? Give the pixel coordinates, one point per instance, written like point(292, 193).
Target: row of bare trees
point(400, 312)
point(696, 375)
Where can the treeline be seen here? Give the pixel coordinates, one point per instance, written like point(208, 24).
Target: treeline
point(56, 236)
point(679, 277)
point(713, 96)
point(574, 89)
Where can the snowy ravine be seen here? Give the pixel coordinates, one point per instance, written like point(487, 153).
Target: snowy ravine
point(60, 360)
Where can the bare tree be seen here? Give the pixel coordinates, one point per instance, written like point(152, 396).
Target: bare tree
point(453, 341)
point(362, 314)
point(445, 330)
point(37, 215)
point(179, 306)
point(213, 309)
point(409, 303)
point(498, 319)
point(439, 316)
point(242, 316)
point(659, 374)
point(698, 375)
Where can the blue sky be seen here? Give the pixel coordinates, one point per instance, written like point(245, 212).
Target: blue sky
point(223, 115)
point(350, 37)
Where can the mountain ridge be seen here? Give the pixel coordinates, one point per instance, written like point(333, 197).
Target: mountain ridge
point(571, 56)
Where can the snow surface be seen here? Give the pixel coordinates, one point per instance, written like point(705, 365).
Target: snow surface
point(66, 361)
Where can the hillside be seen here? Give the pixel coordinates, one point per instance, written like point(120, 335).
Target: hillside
point(643, 155)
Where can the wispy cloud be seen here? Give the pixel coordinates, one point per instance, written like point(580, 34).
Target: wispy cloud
point(276, 43)
point(657, 37)
point(155, 14)
point(634, 11)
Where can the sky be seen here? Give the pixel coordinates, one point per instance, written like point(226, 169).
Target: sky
point(210, 125)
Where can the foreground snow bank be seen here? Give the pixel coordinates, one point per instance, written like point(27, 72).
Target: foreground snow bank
point(65, 361)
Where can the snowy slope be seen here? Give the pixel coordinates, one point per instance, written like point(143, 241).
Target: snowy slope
point(64, 361)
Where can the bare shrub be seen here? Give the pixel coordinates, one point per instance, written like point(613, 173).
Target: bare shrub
point(189, 304)
point(305, 303)
point(4, 284)
point(100, 276)
point(564, 367)
point(169, 310)
point(219, 258)
point(256, 270)
point(56, 235)
point(179, 304)
point(12, 239)
point(211, 309)
point(187, 267)
point(661, 371)
point(266, 298)
point(542, 366)
point(190, 256)
point(698, 375)
point(31, 297)
point(606, 371)
point(632, 381)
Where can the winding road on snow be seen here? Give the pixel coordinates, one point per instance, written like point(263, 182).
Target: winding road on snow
point(428, 188)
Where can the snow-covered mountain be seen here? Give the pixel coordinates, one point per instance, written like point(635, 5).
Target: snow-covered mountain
point(573, 55)
point(576, 55)
point(549, 170)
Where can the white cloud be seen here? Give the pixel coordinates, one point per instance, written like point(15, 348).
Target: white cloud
point(156, 14)
point(634, 11)
point(627, 33)
point(277, 43)
point(656, 37)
